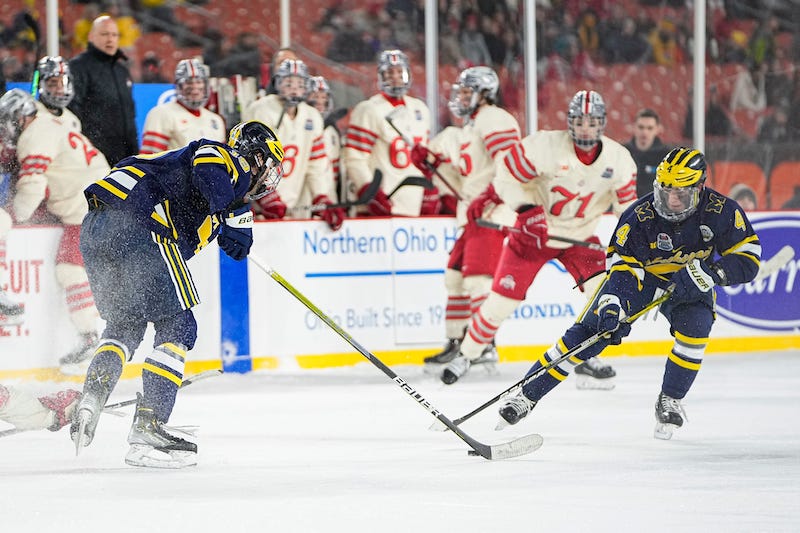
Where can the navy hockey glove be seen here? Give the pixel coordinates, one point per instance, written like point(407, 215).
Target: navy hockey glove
point(609, 312)
point(236, 234)
point(531, 234)
point(693, 281)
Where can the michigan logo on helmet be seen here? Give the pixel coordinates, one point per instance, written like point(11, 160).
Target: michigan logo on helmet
point(586, 118)
point(679, 180)
point(473, 84)
point(394, 73)
point(191, 83)
point(55, 83)
point(15, 105)
point(263, 151)
point(292, 81)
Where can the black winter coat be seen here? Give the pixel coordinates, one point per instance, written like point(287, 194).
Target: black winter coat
point(104, 102)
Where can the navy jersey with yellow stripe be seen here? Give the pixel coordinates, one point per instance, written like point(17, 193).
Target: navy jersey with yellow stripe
point(179, 194)
point(651, 248)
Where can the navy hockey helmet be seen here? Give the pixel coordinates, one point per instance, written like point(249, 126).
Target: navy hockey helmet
point(259, 145)
point(55, 83)
point(680, 178)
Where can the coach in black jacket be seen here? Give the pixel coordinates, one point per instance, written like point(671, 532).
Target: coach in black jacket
point(103, 93)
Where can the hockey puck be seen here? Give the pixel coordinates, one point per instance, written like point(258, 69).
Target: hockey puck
point(473, 452)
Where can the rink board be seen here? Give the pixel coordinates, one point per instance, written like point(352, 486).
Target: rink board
point(381, 280)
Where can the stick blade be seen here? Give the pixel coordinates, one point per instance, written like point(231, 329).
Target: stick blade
point(507, 450)
point(775, 263)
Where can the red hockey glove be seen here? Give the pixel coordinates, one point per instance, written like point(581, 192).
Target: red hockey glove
point(449, 205)
point(532, 234)
point(334, 216)
point(63, 404)
point(380, 206)
point(485, 199)
point(430, 202)
point(271, 206)
point(425, 160)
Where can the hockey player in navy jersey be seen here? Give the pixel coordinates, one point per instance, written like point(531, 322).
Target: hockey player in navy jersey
point(146, 218)
point(682, 234)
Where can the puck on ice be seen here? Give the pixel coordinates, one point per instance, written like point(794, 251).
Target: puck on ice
point(472, 452)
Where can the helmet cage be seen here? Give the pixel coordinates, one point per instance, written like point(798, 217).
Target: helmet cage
point(15, 105)
point(680, 178)
point(320, 85)
point(185, 71)
point(259, 145)
point(50, 67)
point(393, 58)
point(587, 104)
point(292, 68)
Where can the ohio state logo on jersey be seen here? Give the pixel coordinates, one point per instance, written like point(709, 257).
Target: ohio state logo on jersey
point(508, 282)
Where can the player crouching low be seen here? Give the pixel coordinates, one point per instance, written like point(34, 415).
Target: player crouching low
point(28, 412)
point(682, 236)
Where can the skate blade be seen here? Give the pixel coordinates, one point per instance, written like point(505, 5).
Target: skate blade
point(144, 455)
point(583, 382)
point(501, 424)
point(663, 431)
point(81, 440)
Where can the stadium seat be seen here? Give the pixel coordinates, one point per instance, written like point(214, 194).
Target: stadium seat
point(725, 174)
point(783, 179)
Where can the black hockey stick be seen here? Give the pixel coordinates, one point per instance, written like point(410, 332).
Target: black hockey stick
point(499, 227)
point(516, 447)
point(368, 194)
point(410, 144)
point(417, 181)
point(555, 362)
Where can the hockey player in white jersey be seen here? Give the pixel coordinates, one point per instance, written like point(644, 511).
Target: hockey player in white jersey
point(559, 182)
point(487, 134)
point(173, 124)
point(321, 99)
point(56, 163)
point(26, 411)
point(372, 143)
point(307, 176)
point(55, 89)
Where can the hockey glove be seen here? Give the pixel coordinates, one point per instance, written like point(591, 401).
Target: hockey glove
point(271, 206)
point(484, 200)
point(426, 161)
point(609, 312)
point(62, 404)
point(531, 232)
point(380, 205)
point(431, 202)
point(693, 281)
point(236, 233)
point(449, 205)
point(334, 216)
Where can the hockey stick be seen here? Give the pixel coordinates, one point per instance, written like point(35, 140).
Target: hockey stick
point(410, 144)
point(368, 194)
point(499, 227)
point(514, 448)
point(417, 181)
point(775, 263)
point(555, 362)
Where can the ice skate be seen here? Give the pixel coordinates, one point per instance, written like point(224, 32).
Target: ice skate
point(88, 411)
point(77, 361)
point(594, 374)
point(153, 446)
point(433, 363)
point(513, 409)
point(488, 359)
point(455, 369)
point(11, 312)
point(669, 416)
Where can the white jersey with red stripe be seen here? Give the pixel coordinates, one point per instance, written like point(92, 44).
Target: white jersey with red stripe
point(545, 170)
point(333, 148)
point(371, 143)
point(171, 125)
point(485, 139)
point(306, 172)
point(58, 162)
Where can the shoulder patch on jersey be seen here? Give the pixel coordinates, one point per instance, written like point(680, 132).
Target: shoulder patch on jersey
point(664, 242)
point(418, 114)
point(608, 173)
point(706, 232)
point(644, 212)
point(243, 163)
point(309, 125)
point(715, 203)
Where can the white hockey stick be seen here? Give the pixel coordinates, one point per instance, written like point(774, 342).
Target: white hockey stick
point(514, 448)
point(775, 263)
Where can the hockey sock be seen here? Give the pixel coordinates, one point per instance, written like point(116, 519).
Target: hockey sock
point(536, 389)
point(161, 376)
point(682, 365)
point(456, 315)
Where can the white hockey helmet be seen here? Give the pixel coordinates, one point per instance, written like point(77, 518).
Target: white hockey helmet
point(587, 106)
point(15, 105)
point(320, 95)
point(482, 81)
point(389, 59)
point(55, 83)
point(187, 73)
point(292, 81)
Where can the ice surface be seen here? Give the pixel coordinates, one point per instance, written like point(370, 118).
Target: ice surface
point(347, 450)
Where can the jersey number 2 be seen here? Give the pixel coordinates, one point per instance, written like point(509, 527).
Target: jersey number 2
point(89, 151)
